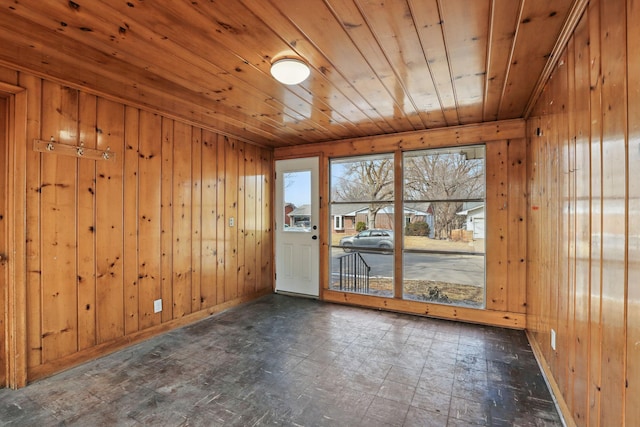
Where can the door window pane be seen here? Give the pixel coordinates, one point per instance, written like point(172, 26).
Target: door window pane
point(297, 201)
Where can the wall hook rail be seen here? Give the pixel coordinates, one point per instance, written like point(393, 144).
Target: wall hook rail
point(78, 151)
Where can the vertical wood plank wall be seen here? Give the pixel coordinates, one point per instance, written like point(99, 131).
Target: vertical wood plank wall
point(107, 238)
point(584, 218)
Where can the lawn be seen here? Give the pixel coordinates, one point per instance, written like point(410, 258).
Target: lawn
point(429, 291)
point(426, 243)
point(434, 291)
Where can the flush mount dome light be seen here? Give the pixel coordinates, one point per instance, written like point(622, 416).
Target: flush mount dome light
point(290, 71)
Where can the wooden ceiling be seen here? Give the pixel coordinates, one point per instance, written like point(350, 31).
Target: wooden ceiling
point(378, 67)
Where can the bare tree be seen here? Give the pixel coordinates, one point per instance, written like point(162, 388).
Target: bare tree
point(368, 181)
point(444, 176)
point(434, 176)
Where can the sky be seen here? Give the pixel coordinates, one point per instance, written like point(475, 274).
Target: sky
point(297, 188)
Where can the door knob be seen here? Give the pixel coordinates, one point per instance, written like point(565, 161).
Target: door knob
point(314, 237)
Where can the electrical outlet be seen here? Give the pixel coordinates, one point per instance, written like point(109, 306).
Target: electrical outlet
point(553, 339)
point(232, 222)
point(157, 306)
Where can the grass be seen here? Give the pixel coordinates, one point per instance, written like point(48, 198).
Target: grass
point(431, 291)
point(435, 291)
point(426, 243)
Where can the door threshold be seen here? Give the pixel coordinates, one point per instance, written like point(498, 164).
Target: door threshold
point(296, 294)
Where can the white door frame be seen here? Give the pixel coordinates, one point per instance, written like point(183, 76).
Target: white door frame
point(297, 246)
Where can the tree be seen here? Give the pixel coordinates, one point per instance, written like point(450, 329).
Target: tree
point(418, 228)
point(366, 181)
point(441, 177)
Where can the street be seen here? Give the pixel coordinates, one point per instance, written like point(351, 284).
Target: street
point(452, 268)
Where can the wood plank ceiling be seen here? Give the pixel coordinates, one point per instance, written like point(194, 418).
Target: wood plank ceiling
point(377, 67)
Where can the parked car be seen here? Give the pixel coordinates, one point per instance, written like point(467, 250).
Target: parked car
point(368, 239)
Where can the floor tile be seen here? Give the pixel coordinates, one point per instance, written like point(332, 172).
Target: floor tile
point(281, 360)
point(433, 401)
point(417, 417)
point(398, 392)
point(387, 411)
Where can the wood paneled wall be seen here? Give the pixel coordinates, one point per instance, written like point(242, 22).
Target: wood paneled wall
point(104, 239)
point(506, 243)
point(584, 219)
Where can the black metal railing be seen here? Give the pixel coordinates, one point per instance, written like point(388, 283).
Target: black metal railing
point(354, 273)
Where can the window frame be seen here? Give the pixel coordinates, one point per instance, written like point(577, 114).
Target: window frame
point(400, 202)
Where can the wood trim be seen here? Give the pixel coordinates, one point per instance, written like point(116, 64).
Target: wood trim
point(287, 155)
point(127, 102)
point(414, 140)
point(58, 365)
point(398, 224)
point(10, 89)
point(16, 328)
point(463, 314)
point(4, 268)
point(561, 405)
point(324, 228)
point(568, 29)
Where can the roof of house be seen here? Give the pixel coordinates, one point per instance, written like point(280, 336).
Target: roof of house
point(352, 209)
point(478, 207)
point(303, 210)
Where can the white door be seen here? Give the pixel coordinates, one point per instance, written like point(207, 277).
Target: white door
point(297, 227)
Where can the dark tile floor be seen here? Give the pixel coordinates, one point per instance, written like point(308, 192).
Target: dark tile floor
point(297, 362)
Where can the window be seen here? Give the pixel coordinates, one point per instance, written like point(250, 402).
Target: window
point(443, 248)
point(362, 190)
point(443, 205)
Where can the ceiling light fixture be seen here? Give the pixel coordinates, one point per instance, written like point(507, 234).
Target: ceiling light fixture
point(290, 71)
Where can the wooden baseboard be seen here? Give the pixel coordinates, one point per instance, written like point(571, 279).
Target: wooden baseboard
point(461, 314)
point(67, 362)
point(563, 408)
